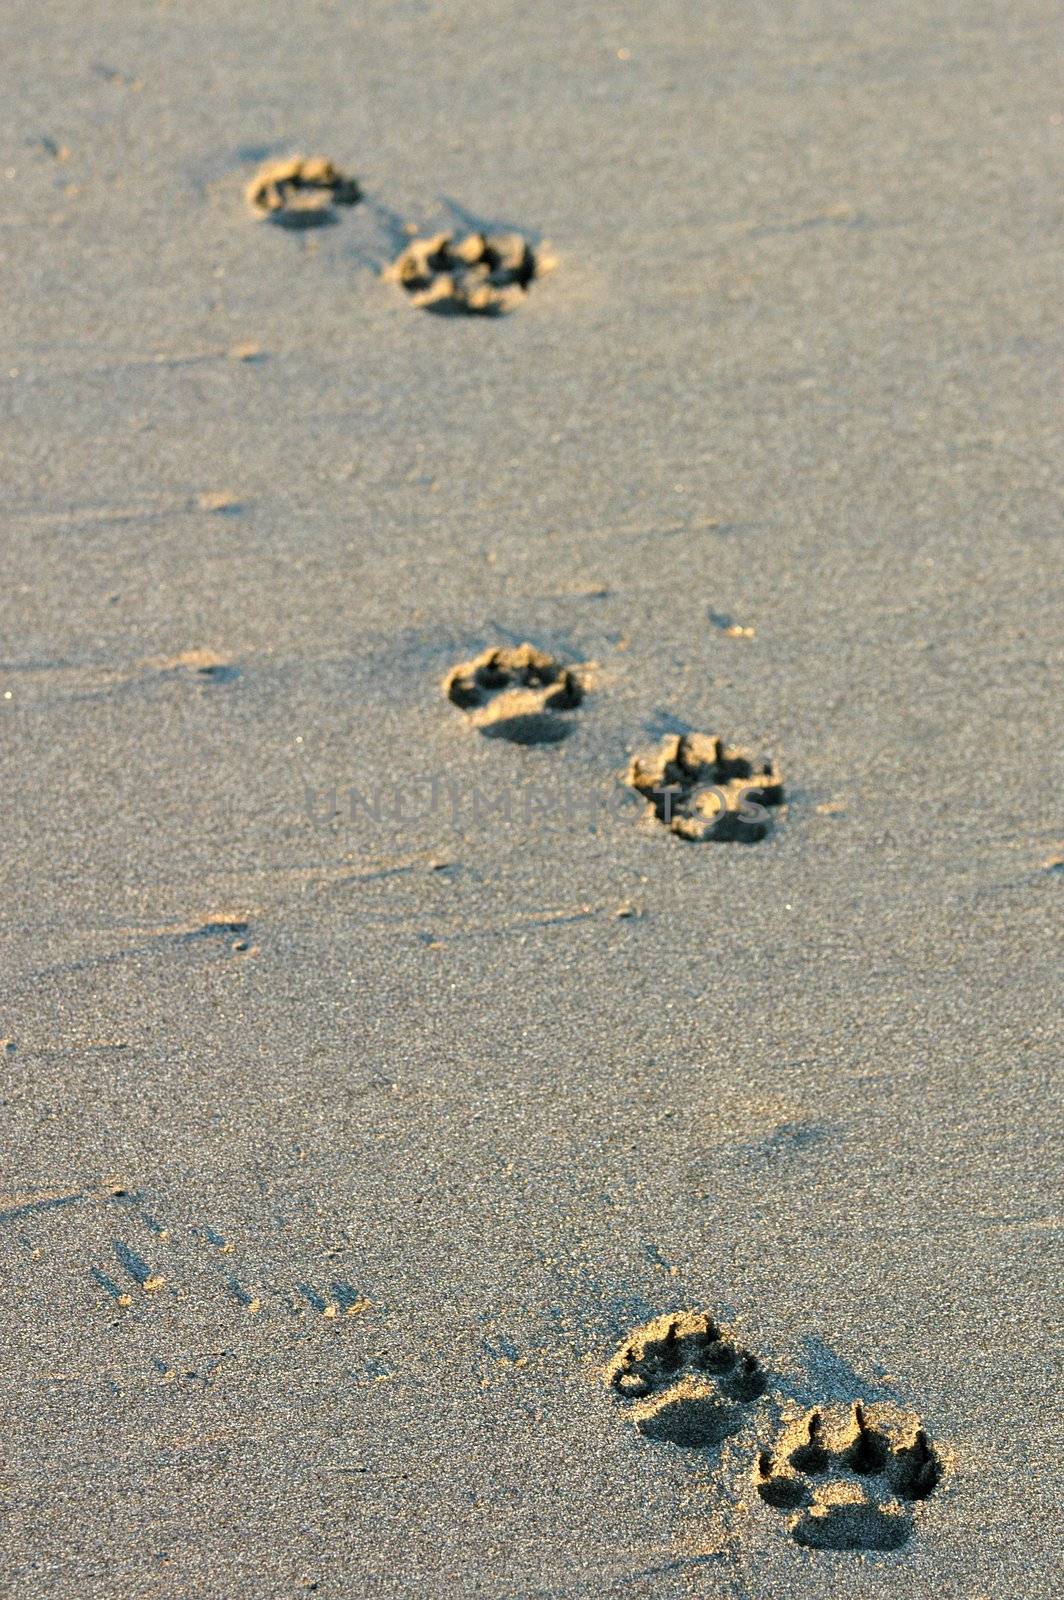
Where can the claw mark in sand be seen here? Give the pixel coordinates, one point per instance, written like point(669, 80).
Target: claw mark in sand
point(342, 1301)
point(521, 694)
point(684, 1381)
point(849, 1481)
point(251, 1302)
point(121, 1297)
point(729, 627)
point(137, 1268)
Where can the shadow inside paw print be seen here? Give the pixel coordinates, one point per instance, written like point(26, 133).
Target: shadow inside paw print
point(520, 694)
point(849, 1482)
point(700, 789)
point(684, 1381)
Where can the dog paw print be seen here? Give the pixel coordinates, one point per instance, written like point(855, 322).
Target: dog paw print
point(301, 192)
point(683, 1381)
point(521, 694)
point(699, 789)
point(849, 1482)
point(482, 274)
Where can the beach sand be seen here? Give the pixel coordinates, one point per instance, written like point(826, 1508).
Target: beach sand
point(370, 1083)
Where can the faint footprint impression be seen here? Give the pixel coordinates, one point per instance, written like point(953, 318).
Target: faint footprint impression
point(849, 1481)
point(682, 1380)
point(519, 694)
point(481, 274)
point(301, 192)
point(699, 789)
point(206, 665)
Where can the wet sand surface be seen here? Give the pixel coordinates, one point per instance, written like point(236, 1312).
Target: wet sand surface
point(347, 1140)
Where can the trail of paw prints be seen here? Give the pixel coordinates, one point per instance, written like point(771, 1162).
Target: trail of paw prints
point(682, 1380)
point(849, 1481)
point(521, 694)
point(474, 274)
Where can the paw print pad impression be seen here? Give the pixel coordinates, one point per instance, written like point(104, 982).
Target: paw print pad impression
point(700, 789)
point(682, 1380)
point(849, 1481)
point(521, 694)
